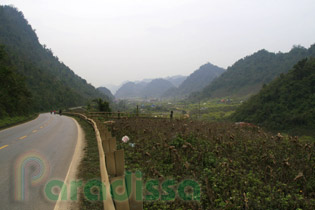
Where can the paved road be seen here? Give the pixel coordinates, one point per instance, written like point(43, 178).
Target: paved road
point(35, 152)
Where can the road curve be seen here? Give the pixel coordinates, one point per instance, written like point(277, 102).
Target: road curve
point(31, 155)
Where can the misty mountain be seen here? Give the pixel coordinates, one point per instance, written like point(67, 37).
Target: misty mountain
point(130, 90)
point(143, 81)
point(113, 88)
point(176, 80)
point(247, 76)
point(152, 89)
point(156, 88)
point(51, 83)
point(195, 81)
point(106, 92)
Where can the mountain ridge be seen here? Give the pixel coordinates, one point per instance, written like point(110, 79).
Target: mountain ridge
point(178, 86)
point(246, 76)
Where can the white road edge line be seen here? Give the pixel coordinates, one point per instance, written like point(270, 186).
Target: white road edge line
point(73, 169)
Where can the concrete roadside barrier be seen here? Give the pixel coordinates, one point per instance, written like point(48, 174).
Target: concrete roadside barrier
point(107, 200)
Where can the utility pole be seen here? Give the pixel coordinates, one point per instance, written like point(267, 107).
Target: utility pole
point(137, 110)
point(199, 108)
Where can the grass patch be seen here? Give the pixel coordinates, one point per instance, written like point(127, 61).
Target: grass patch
point(12, 121)
point(89, 168)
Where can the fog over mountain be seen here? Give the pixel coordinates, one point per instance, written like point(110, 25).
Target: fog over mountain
point(174, 80)
point(153, 89)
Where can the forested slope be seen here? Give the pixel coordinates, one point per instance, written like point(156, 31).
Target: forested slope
point(106, 92)
point(51, 82)
point(286, 103)
point(15, 98)
point(247, 76)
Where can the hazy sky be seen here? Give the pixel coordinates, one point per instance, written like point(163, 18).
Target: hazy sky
point(111, 41)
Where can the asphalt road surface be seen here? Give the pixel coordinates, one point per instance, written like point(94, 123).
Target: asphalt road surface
point(31, 155)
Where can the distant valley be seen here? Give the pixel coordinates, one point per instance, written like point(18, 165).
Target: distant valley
point(243, 79)
point(170, 87)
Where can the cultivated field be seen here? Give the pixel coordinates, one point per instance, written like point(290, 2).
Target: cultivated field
point(237, 167)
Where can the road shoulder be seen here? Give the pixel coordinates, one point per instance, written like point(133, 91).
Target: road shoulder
point(73, 169)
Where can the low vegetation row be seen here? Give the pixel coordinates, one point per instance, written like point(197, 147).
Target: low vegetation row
point(237, 166)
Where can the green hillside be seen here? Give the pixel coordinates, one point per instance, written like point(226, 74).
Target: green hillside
point(106, 92)
point(286, 103)
point(15, 99)
point(247, 76)
point(52, 83)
